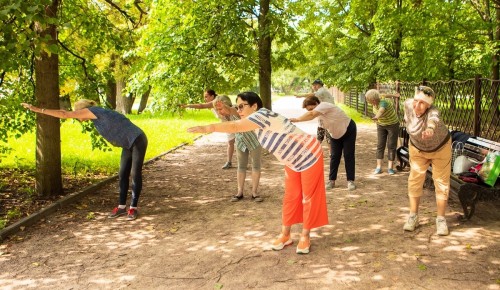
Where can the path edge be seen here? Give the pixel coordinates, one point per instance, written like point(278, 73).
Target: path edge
point(71, 198)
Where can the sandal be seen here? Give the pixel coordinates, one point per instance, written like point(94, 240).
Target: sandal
point(257, 198)
point(236, 198)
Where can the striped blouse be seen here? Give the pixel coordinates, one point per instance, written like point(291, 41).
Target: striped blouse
point(245, 140)
point(290, 145)
point(389, 116)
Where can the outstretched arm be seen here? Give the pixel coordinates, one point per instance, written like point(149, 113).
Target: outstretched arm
point(306, 117)
point(226, 110)
point(243, 125)
point(208, 105)
point(62, 114)
point(305, 95)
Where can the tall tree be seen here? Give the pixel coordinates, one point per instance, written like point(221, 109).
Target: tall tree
point(48, 141)
point(223, 45)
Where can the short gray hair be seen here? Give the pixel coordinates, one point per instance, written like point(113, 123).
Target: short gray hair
point(372, 95)
point(84, 103)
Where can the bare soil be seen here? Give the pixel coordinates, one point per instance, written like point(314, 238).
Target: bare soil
point(190, 236)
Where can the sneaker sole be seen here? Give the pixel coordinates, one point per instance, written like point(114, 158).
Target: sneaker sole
point(409, 229)
point(303, 251)
point(115, 216)
point(282, 246)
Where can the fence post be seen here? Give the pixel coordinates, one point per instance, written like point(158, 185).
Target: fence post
point(477, 105)
point(398, 96)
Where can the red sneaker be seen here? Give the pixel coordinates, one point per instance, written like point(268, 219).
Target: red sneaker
point(132, 214)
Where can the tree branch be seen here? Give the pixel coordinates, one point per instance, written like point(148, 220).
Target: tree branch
point(123, 12)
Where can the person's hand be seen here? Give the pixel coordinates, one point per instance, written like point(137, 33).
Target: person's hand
point(27, 106)
point(222, 108)
point(427, 133)
point(198, 129)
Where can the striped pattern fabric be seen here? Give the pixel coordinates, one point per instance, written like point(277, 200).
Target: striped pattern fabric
point(290, 145)
point(389, 117)
point(245, 140)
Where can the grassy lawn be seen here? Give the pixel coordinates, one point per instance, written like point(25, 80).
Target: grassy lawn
point(163, 131)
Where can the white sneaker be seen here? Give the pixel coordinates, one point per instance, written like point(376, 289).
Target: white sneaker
point(330, 184)
point(441, 227)
point(411, 223)
point(351, 185)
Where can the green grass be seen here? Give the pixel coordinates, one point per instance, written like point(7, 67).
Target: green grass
point(355, 115)
point(163, 131)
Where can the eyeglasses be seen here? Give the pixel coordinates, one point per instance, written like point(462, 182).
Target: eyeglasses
point(241, 106)
point(425, 90)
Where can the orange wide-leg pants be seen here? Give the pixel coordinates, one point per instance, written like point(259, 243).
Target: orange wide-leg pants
point(305, 197)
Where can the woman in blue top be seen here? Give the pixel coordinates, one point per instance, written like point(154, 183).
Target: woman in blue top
point(120, 132)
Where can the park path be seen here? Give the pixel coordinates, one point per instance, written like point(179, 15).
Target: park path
point(189, 236)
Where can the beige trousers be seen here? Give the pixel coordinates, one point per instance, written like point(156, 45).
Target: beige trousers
point(441, 169)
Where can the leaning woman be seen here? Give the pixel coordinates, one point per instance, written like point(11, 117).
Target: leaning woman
point(430, 145)
point(304, 200)
point(120, 132)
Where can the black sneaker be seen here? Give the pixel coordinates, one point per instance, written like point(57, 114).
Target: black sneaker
point(117, 212)
point(227, 165)
point(132, 214)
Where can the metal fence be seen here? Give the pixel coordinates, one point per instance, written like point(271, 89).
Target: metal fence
point(471, 106)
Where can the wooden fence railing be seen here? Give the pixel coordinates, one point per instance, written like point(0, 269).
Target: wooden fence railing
point(471, 106)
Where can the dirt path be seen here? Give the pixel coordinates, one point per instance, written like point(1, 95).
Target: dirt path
point(189, 236)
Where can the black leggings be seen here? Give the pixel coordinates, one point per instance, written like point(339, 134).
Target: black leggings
point(347, 145)
point(131, 164)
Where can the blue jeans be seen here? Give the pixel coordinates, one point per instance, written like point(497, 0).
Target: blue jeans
point(131, 164)
point(347, 145)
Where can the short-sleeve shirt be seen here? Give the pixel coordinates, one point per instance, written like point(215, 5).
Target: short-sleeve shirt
point(290, 145)
point(389, 116)
point(115, 127)
point(324, 95)
point(333, 119)
point(415, 125)
point(245, 140)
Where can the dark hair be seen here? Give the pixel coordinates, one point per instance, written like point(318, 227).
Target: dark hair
point(251, 98)
point(318, 81)
point(211, 92)
point(313, 100)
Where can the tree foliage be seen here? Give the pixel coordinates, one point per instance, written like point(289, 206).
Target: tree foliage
point(355, 42)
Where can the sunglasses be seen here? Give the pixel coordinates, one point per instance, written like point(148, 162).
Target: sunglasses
point(425, 90)
point(241, 106)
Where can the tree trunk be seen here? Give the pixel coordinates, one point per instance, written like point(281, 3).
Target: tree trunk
point(111, 94)
point(265, 68)
point(48, 138)
point(123, 101)
point(144, 101)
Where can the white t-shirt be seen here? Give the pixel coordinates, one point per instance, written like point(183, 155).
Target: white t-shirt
point(324, 95)
point(333, 119)
point(290, 145)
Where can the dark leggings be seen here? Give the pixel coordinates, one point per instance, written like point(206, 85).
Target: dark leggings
point(387, 135)
point(131, 164)
point(347, 145)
